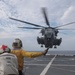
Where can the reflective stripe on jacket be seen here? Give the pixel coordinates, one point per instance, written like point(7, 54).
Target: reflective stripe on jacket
point(22, 53)
point(8, 64)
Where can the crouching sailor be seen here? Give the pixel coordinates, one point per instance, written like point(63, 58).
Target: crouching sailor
point(8, 62)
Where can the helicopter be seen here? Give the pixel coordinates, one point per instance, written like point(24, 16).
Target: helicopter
point(48, 34)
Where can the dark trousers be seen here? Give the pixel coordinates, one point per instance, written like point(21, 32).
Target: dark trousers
point(20, 72)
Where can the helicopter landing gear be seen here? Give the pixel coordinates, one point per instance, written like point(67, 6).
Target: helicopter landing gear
point(55, 46)
point(41, 45)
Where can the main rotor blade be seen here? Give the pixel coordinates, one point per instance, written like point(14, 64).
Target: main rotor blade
point(26, 22)
point(28, 28)
point(66, 29)
point(45, 16)
point(65, 24)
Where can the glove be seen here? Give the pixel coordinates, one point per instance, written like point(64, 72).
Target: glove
point(45, 52)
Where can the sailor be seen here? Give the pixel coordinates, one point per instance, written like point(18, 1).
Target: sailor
point(20, 53)
point(8, 62)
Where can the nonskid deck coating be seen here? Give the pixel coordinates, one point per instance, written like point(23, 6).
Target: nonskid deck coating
point(61, 65)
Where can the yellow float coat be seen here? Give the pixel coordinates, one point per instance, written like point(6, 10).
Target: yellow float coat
point(22, 53)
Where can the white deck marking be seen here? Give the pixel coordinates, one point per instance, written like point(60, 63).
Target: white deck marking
point(64, 69)
point(62, 65)
point(37, 64)
point(47, 67)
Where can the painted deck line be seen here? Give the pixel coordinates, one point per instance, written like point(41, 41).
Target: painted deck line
point(48, 66)
point(63, 69)
point(62, 65)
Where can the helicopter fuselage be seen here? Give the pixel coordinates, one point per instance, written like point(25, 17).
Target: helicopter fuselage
point(49, 37)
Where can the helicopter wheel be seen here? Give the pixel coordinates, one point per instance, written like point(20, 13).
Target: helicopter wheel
point(55, 47)
point(41, 45)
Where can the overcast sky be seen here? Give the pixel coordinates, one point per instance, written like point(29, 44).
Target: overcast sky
point(59, 12)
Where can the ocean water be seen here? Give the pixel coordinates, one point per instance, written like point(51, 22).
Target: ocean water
point(61, 52)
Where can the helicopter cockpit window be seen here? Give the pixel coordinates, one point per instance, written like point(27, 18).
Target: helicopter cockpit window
point(48, 33)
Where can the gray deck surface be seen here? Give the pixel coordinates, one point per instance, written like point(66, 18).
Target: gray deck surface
point(50, 65)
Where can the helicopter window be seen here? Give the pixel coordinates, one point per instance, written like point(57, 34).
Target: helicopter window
point(48, 34)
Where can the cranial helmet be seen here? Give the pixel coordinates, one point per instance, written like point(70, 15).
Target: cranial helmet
point(17, 43)
point(4, 48)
